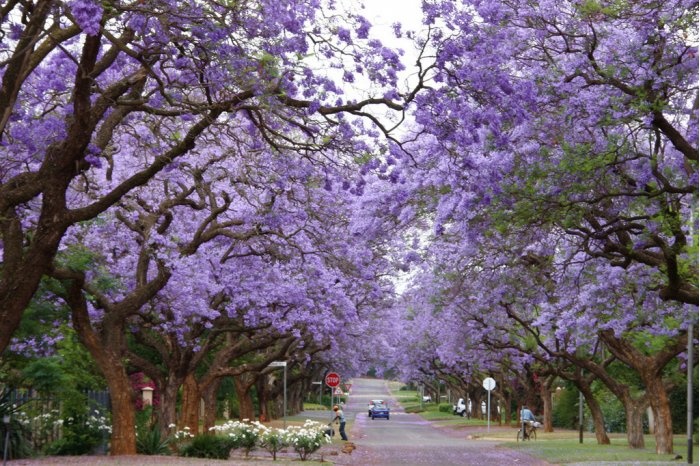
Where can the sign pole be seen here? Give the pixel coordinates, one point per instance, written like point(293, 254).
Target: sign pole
point(283, 364)
point(489, 384)
point(689, 363)
point(285, 396)
point(488, 412)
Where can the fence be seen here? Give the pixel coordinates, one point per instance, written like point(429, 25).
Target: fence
point(40, 415)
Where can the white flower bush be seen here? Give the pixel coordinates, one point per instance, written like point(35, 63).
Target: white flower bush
point(244, 434)
point(248, 435)
point(272, 440)
point(99, 423)
point(308, 438)
point(181, 435)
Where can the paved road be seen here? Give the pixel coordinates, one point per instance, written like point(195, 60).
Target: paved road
point(408, 440)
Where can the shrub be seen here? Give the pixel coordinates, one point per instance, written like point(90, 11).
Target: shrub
point(18, 445)
point(306, 439)
point(81, 434)
point(272, 440)
point(150, 441)
point(244, 434)
point(209, 446)
point(445, 408)
point(179, 438)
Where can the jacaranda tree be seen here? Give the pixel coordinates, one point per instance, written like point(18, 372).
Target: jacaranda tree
point(91, 85)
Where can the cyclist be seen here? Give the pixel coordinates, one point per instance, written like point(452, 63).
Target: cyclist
point(527, 419)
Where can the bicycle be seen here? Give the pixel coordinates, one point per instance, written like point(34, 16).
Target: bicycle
point(530, 432)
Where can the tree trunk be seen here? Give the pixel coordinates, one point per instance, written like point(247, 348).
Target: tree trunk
point(546, 394)
point(635, 426)
point(191, 397)
point(121, 393)
point(263, 398)
point(658, 400)
point(246, 410)
point(476, 406)
point(499, 401)
point(210, 406)
point(108, 359)
point(168, 404)
point(295, 399)
point(601, 435)
point(123, 440)
point(508, 412)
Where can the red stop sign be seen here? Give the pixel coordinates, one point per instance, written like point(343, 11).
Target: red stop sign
point(332, 379)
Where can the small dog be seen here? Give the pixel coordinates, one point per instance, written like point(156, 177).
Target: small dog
point(348, 448)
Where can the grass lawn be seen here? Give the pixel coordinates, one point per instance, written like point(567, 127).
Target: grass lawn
point(564, 447)
point(559, 447)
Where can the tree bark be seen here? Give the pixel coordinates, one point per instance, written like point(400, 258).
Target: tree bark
point(508, 411)
point(246, 410)
point(123, 441)
point(108, 359)
point(191, 397)
point(476, 406)
point(209, 395)
point(168, 404)
point(663, 426)
point(546, 395)
point(635, 410)
point(263, 398)
point(601, 435)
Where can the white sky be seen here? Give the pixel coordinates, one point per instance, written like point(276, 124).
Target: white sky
point(382, 14)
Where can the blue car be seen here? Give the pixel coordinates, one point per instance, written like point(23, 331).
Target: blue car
point(371, 405)
point(379, 410)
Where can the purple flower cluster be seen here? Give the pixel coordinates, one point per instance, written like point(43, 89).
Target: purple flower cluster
point(88, 15)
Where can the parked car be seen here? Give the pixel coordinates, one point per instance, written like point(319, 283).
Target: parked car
point(460, 409)
point(371, 405)
point(427, 399)
point(379, 410)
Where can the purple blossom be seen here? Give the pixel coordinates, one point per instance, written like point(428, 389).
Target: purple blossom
point(313, 107)
point(88, 15)
point(94, 160)
point(363, 28)
point(344, 35)
point(15, 31)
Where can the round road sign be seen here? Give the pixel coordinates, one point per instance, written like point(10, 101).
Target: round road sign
point(489, 384)
point(332, 379)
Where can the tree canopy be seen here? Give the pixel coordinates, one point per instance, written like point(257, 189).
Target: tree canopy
point(202, 188)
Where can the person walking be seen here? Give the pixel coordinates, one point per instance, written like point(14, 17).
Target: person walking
point(340, 418)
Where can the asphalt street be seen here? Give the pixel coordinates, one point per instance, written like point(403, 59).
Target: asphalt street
point(408, 440)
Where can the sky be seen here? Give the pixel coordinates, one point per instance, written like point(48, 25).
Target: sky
point(382, 14)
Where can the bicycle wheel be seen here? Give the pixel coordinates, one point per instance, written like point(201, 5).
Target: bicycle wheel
point(519, 437)
point(533, 434)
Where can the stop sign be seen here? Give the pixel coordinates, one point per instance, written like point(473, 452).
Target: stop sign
point(332, 379)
